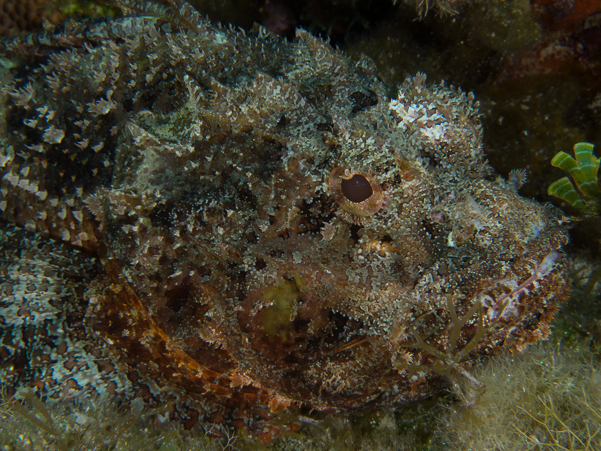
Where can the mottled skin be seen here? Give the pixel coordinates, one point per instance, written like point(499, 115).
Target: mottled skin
point(197, 164)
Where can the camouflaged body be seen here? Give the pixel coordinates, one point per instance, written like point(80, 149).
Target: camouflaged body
point(201, 169)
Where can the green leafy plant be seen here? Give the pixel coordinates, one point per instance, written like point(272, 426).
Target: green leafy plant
point(586, 196)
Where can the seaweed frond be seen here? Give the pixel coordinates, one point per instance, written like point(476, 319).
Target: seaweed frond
point(583, 170)
point(448, 362)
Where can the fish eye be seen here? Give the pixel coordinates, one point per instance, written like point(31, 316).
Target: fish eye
point(356, 193)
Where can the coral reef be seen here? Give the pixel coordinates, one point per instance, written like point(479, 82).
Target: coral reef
point(266, 227)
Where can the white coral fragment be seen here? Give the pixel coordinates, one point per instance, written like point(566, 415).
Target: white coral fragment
point(517, 177)
point(62, 213)
point(5, 158)
point(22, 96)
point(98, 147)
point(82, 144)
point(431, 125)
point(53, 135)
point(13, 179)
point(101, 107)
point(94, 205)
point(31, 122)
point(31, 187)
point(328, 231)
point(38, 148)
point(77, 214)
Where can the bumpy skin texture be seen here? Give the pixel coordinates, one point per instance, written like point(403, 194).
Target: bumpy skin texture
point(207, 171)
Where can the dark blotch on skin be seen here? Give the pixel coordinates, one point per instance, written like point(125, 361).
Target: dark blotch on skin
point(357, 189)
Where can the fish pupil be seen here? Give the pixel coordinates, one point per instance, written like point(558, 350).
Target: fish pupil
point(356, 189)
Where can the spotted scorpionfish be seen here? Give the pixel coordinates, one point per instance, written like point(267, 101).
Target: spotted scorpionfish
point(237, 224)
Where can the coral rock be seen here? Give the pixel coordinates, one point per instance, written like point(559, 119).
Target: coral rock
point(28, 15)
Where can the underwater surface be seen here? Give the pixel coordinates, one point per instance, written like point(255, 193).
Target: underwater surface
point(347, 228)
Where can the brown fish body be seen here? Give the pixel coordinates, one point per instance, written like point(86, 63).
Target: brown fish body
point(270, 227)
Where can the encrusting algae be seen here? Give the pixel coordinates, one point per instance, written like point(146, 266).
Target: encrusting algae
point(239, 224)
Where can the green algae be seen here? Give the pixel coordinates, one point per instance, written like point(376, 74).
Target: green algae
point(583, 171)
